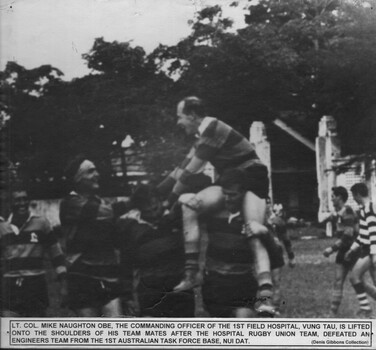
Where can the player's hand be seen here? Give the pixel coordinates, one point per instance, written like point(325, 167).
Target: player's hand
point(327, 252)
point(348, 256)
point(373, 260)
point(253, 228)
point(324, 216)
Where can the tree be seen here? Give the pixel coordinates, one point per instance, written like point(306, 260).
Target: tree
point(90, 115)
point(296, 60)
point(335, 45)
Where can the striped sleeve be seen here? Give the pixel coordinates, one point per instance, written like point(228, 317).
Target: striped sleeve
point(205, 149)
point(168, 183)
point(349, 221)
point(190, 166)
point(363, 236)
point(357, 240)
point(371, 224)
point(212, 140)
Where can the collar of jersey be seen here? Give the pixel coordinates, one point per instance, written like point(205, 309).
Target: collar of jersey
point(204, 124)
point(233, 216)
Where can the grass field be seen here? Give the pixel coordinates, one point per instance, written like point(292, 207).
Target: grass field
point(306, 288)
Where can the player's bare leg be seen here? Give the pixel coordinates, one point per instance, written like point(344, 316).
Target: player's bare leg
point(254, 209)
point(276, 278)
point(113, 308)
point(340, 276)
point(193, 205)
point(356, 278)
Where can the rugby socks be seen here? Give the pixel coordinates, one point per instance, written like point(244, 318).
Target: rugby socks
point(266, 292)
point(370, 289)
point(191, 229)
point(264, 305)
point(191, 267)
point(362, 297)
point(276, 278)
point(264, 280)
point(336, 301)
point(192, 252)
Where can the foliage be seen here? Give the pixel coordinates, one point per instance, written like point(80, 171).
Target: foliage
point(90, 115)
point(296, 60)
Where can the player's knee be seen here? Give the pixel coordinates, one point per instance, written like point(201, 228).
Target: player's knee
point(354, 278)
point(243, 312)
point(186, 197)
point(192, 202)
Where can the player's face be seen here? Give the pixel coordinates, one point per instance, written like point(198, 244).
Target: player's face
point(186, 121)
point(357, 198)
point(336, 200)
point(233, 198)
point(90, 179)
point(20, 203)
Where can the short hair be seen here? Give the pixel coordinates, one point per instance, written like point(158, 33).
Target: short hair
point(340, 192)
point(142, 195)
point(18, 187)
point(360, 188)
point(193, 104)
point(232, 177)
point(73, 165)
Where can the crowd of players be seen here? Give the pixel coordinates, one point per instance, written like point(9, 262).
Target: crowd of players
point(143, 258)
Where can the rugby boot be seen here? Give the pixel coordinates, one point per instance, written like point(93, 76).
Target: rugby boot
point(189, 281)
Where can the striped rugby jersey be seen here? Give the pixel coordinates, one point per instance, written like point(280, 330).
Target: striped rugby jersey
point(228, 251)
point(90, 234)
point(23, 250)
point(345, 225)
point(367, 227)
point(218, 144)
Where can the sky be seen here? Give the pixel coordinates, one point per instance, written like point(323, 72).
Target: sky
point(58, 32)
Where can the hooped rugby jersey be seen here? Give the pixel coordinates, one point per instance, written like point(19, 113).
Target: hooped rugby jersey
point(23, 249)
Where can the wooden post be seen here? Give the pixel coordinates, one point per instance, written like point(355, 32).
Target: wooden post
point(258, 138)
point(327, 148)
point(372, 179)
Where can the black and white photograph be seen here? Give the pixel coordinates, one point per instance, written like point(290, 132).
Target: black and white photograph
point(192, 161)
